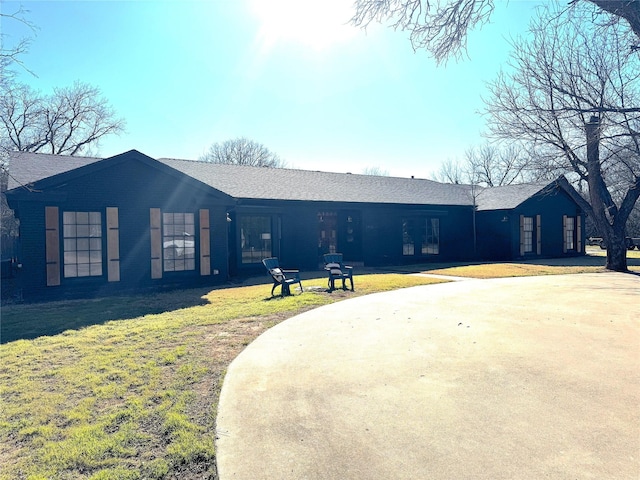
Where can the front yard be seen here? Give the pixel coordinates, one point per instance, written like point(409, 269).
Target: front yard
point(127, 387)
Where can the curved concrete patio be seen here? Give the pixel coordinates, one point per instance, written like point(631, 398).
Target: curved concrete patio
point(522, 378)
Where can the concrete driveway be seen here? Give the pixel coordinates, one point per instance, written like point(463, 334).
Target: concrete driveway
point(523, 378)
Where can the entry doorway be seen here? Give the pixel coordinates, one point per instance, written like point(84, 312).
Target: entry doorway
point(340, 232)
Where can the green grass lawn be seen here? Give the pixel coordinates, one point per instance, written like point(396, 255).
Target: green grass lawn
point(127, 387)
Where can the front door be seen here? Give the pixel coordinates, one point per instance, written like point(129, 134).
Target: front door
point(340, 232)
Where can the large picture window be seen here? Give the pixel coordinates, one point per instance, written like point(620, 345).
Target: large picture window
point(82, 240)
point(255, 238)
point(178, 242)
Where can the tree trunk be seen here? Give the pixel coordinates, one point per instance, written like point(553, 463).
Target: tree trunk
point(617, 254)
point(627, 9)
point(602, 206)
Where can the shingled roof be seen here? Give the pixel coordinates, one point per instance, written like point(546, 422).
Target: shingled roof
point(26, 167)
point(305, 185)
point(509, 196)
point(259, 183)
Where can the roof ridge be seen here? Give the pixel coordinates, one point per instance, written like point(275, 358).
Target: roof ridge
point(298, 170)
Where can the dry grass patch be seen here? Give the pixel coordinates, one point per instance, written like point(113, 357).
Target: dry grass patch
point(499, 270)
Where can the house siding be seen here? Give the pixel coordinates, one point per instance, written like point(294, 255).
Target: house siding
point(367, 233)
point(377, 242)
point(133, 188)
point(499, 230)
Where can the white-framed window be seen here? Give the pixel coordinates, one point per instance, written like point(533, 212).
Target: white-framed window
point(570, 233)
point(527, 232)
point(82, 244)
point(178, 242)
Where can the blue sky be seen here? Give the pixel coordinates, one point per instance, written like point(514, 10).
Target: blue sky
point(290, 74)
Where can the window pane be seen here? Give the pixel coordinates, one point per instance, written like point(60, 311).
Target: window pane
point(528, 224)
point(82, 218)
point(569, 233)
point(528, 234)
point(255, 237)
point(69, 231)
point(69, 218)
point(70, 270)
point(178, 241)
point(82, 232)
point(431, 244)
point(82, 256)
point(408, 246)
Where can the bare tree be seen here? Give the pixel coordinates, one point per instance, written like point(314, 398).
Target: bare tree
point(489, 166)
point(441, 26)
point(67, 122)
point(495, 166)
point(451, 171)
point(10, 52)
point(242, 151)
point(575, 98)
point(375, 171)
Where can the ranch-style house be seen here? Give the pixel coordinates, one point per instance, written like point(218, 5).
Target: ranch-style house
point(90, 226)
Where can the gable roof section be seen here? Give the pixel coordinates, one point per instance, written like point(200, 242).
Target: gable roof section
point(509, 197)
point(91, 166)
point(245, 182)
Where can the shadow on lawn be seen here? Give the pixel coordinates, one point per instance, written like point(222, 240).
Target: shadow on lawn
point(29, 321)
